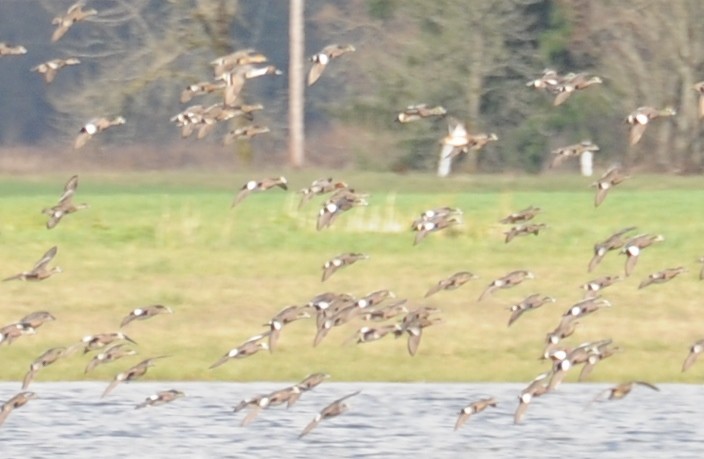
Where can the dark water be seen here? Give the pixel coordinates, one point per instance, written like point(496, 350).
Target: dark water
point(385, 420)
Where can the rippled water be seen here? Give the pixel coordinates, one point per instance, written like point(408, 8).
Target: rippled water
point(69, 420)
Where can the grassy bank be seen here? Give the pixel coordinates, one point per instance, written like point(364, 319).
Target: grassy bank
point(173, 239)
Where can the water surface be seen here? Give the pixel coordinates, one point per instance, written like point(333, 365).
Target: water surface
point(386, 420)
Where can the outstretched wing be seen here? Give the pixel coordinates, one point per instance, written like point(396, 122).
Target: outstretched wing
point(515, 315)
point(561, 97)
point(342, 399)
point(600, 195)
point(58, 33)
point(243, 193)
point(487, 291)
point(28, 378)
point(315, 71)
point(689, 361)
point(631, 261)
point(311, 425)
point(414, 337)
point(647, 384)
point(115, 382)
point(70, 187)
point(596, 259)
point(45, 259)
point(520, 412)
point(637, 131)
point(251, 416)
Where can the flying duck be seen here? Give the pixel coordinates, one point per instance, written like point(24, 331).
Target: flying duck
point(322, 59)
point(259, 185)
point(336, 408)
point(75, 14)
point(65, 205)
point(39, 271)
point(145, 313)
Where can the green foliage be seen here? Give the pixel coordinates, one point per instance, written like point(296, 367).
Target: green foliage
point(381, 9)
point(554, 39)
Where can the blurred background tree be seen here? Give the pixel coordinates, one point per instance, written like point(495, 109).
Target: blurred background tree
point(471, 56)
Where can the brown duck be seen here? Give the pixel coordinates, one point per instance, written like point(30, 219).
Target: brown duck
point(564, 329)
point(369, 334)
point(161, 398)
point(15, 402)
point(612, 177)
point(132, 373)
point(586, 306)
point(536, 388)
point(47, 358)
point(51, 68)
point(114, 352)
point(521, 216)
point(343, 260)
point(288, 395)
point(319, 187)
point(322, 59)
point(694, 350)
point(458, 140)
point(434, 224)
point(336, 408)
point(572, 151)
point(39, 271)
point(509, 280)
point(548, 81)
point(282, 318)
point(385, 313)
point(413, 324)
point(10, 50)
point(236, 78)
point(312, 381)
point(93, 127)
point(210, 117)
point(419, 112)
point(245, 132)
point(37, 318)
point(621, 390)
point(197, 89)
point(641, 117)
point(572, 83)
point(613, 242)
point(438, 212)
point(101, 340)
point(594, 286)
point(474, 408)
point(145, 313)
point(9, 333)
point(341, 201)
point(65, 205)
point(595, 354)
point(259, 185)
point(249, 347)
point(633, 247)
point(453, 282)
point(229, 62)
point(524, 230)
point(530, 303)
point(663, 276)
point(64, 22)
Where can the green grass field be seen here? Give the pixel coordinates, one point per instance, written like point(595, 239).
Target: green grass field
point(172, 238)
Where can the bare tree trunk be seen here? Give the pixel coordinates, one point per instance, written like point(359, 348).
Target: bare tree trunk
point(296, 86)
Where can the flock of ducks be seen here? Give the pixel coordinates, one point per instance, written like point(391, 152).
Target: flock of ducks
point(328, 309)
